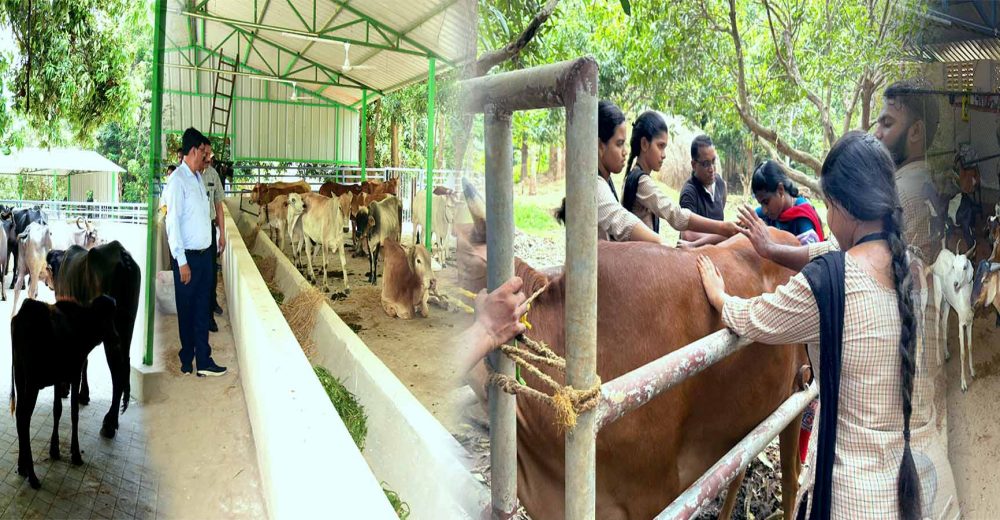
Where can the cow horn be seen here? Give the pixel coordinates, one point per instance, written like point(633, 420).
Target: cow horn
point(79, 221)
point(968, 254)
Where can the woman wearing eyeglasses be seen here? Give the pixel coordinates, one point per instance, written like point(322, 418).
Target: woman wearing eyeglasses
point(640, 195)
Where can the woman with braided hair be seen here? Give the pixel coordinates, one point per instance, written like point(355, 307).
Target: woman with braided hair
point(875, 456)
point(647, 151)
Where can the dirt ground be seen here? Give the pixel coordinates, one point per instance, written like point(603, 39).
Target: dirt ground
point(417, 351)
point(974, 420)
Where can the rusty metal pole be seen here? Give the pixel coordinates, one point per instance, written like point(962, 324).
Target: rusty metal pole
point(631, 390)
point(581, 285)
point(713, 481)
point(500, 267)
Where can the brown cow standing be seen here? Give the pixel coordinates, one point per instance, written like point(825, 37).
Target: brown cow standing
point(335, 189)
point(650, 303)
point(406, 280)
point(263, 194)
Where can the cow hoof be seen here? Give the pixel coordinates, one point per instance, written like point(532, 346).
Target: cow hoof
point(108, 432)
point(84, 400)
point(54, 453)
point(21, 471)
point(34, 482)
point(77, 460)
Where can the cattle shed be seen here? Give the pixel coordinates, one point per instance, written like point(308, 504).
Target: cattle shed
point(291, 82)
point(85, 170)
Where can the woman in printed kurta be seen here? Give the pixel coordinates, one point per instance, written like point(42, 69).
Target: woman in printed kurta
point(640, 195)
point(872, 457)
point(782, 207)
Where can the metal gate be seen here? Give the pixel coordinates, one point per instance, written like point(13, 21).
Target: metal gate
point(573, 86)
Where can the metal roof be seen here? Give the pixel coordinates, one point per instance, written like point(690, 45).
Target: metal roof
point(303, 40)
point(960, 30)
point(61, 161)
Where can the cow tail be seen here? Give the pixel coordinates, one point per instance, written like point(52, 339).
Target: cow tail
point(13, 396)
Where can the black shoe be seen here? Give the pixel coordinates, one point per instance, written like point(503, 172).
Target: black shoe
point(217, 310)
point(186, 370)
point(212, 370)
point(212, 326)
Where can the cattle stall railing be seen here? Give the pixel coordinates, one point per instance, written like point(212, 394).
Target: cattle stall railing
point(572, 85)
point(126, 212)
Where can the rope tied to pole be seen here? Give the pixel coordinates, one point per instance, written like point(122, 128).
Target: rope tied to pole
point(567, 402)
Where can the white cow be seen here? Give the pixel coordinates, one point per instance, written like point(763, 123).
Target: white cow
point(322, 225)
point(78, 232)
point(953, 274)
point(444, 209)
point(34, 245)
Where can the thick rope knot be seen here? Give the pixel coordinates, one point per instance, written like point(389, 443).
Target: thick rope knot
point(567, 402)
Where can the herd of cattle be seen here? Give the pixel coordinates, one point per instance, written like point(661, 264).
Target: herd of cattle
point(963, 286)
point(97, 285)
point(372, 213)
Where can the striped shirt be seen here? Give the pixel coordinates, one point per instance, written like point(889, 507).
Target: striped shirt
point(614, 222)
point(651, 203)
point(869, 446)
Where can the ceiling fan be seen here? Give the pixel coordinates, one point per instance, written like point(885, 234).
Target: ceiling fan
point(347, 67)
point(295, 94)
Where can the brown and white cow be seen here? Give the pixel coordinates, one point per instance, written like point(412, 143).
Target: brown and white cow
point(379, 222)
point(274, 219)
point(650, 303)
point(406, 280)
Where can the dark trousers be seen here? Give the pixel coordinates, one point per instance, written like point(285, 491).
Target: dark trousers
point(213, 299)
point(193, 309)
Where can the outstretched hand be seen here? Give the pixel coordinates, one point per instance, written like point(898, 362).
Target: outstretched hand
point(756, 230)
point(711, 279)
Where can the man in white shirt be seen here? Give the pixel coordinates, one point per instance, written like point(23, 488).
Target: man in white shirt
point(189, 237)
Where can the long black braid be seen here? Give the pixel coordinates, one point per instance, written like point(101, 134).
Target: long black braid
point(858, 159)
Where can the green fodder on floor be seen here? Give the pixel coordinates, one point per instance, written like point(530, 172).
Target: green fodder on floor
point(401, 508)
point(348, 407)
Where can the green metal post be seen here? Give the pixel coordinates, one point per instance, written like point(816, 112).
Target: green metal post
point(364, 135)
point(69, 187)
point(336, 139)
point(155, 152)
point(430, 152)
point(20, 186)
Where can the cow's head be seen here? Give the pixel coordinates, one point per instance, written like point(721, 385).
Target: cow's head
point(296, 206)
point(53, 260)
point(6, 212)
point(90, 235)
point(420, 264)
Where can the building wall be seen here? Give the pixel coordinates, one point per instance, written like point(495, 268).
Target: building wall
point(265, 123)
point(104, 184)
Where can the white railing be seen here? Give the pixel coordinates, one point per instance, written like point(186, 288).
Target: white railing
point(128, 212)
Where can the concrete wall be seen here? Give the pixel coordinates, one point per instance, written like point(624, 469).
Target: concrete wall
point(309, 465)
point(406, 446)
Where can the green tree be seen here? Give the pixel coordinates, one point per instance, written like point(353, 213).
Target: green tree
point(75, 67)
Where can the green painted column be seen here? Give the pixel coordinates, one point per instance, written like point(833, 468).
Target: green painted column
point(364, 135)
point(155, 157)
point(430, 152)
point(336, 143)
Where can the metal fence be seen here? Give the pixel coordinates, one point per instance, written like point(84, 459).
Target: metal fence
point(127, 212)
point(572, 85)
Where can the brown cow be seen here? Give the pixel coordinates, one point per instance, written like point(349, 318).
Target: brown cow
point(335, 189)
point(650, 303)
point(265, 193)
point(375, 187)
point(406, 280)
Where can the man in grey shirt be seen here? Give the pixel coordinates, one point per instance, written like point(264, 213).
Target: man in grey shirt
point(215, 192)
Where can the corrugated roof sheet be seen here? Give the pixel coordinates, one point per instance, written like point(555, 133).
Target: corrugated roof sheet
point(439, 26)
